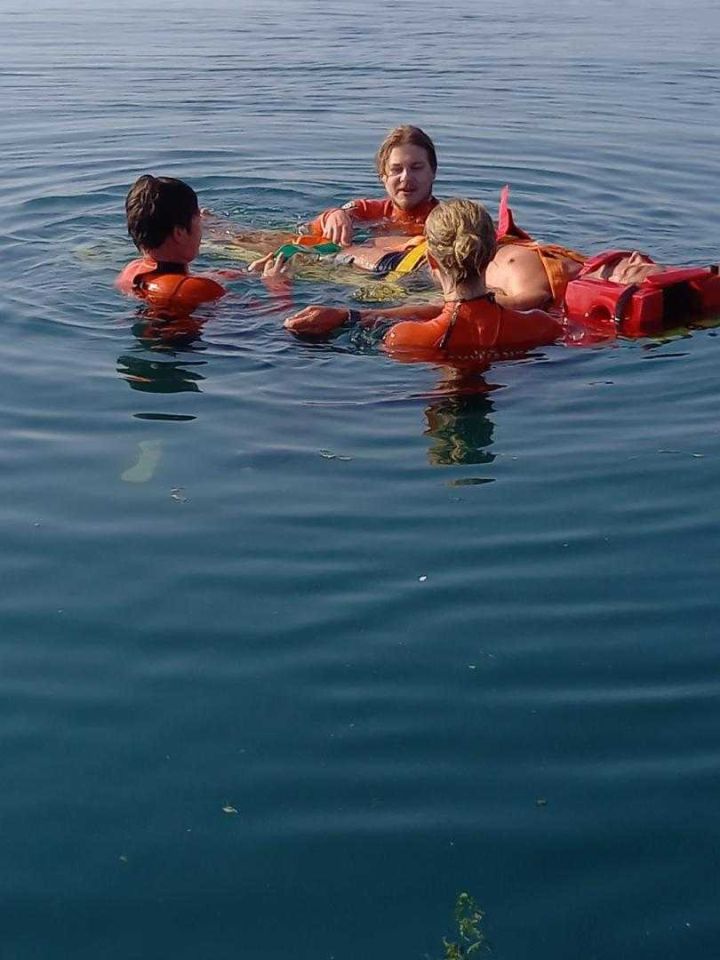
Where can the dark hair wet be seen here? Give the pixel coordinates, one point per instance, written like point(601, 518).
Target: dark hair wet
point(155, 206)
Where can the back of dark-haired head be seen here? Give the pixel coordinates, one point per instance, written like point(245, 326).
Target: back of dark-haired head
point(155, 206)
point(398, 138)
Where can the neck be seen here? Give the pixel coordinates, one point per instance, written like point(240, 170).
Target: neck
point(168, 252)
point(469, 290)
point(171, 266)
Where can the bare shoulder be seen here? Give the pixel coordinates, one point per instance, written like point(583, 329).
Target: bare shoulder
point(518, 255)
point(516, 267)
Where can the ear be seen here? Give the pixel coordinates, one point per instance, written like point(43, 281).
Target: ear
point(179, 234)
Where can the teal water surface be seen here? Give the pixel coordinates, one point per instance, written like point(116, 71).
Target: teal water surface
point(298, 642)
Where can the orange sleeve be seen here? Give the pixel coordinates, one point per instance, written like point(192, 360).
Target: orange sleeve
point(361, 210)
point(368, 210)
point(416, 334)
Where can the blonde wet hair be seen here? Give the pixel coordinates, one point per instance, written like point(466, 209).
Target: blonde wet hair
point(461, 238)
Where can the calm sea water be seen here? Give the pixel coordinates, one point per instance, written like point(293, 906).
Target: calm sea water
point(299, 643)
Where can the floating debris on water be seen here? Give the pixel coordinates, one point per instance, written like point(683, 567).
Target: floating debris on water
point(329, 455)
point(178, 494)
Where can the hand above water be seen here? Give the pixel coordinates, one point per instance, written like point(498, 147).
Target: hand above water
point(316, 320)
point(276, 271)
point(338, 227)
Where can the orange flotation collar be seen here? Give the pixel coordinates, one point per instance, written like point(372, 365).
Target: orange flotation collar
point(177, 292)
point(467, 329)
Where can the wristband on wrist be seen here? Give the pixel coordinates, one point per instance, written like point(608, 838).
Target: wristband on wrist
point(353, 316)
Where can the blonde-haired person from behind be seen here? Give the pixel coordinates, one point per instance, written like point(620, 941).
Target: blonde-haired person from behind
point(461, 244)
point(461, 241)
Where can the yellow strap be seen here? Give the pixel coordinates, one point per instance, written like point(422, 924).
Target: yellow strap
point(410, 261)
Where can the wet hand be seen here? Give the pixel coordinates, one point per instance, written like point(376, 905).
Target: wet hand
point(277, 273)
point(338, 227)
point(276, 267)
point(258, 266)
point(316, 320)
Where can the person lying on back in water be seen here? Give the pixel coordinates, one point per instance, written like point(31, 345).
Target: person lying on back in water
point(461, 244)
point(524, 273)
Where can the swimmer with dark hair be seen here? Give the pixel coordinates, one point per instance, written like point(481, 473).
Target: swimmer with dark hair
point(164, 222)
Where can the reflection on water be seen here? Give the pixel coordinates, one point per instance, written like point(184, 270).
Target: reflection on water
point(167, 336)
point(160, 376)
point(461, 430)
point(458, 419)
point(154, 327)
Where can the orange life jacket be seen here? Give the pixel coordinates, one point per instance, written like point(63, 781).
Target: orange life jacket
point(467, 328)
point(167, 287)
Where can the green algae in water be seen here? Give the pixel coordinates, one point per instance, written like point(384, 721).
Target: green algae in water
point(471, 939)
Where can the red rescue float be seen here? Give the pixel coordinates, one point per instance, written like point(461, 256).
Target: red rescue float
point(662, 300)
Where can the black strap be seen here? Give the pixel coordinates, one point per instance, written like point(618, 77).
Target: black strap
point(450, 327)
point(167, 266)
point(489, 296)
point(622, 301)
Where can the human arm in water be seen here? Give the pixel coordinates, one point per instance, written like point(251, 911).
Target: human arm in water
point(428, 330)
point(275, 272)
point(316, 320)
point(337, 223)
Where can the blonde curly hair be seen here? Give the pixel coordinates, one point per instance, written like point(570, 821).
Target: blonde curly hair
point(461, 237)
